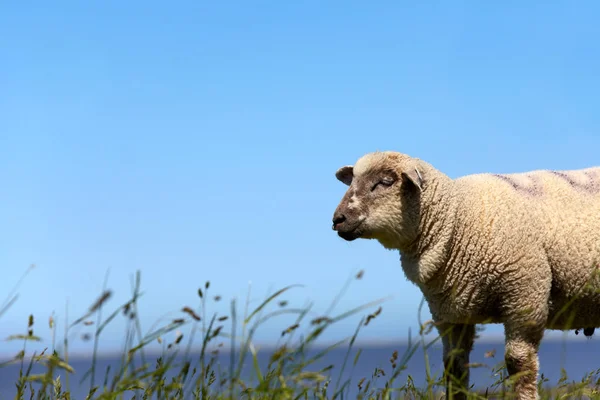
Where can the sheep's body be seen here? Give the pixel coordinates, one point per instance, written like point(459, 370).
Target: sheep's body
point(506, 221)
point(517, 249)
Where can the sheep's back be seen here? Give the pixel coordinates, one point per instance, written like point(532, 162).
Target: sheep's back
point(546, 221)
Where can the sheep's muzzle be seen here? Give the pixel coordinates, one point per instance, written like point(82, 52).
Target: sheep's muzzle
point(347, 228)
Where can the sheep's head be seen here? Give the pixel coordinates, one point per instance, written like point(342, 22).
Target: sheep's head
point(382, 201)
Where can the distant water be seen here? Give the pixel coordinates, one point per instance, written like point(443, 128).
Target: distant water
point(577, 357)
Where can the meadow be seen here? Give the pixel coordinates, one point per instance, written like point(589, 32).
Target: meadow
point(219, 359)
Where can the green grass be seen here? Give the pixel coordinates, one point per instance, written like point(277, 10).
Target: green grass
point(178, 372)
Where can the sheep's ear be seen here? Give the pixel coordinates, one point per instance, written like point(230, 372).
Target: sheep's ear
point(415, 177)
point(344, 174)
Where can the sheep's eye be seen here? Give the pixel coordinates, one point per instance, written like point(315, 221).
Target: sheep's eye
point(387, 181)
point(383, 182)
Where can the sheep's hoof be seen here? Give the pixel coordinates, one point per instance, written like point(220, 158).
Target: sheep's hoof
point(588, 331)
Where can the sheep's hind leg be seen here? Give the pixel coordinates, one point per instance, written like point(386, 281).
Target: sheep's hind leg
point(522, 344)
point(457, 340)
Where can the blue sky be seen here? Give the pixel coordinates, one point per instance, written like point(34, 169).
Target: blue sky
point(199, 141)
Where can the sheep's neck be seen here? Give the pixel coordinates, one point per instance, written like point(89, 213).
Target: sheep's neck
point(425, 256)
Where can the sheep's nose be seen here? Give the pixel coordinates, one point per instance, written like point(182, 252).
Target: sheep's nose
point(338, 219)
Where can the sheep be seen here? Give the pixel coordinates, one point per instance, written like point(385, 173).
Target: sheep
point(518, 249)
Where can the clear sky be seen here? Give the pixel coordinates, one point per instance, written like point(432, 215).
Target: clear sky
point(198, 140)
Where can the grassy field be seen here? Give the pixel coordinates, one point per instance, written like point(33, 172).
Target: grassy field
point(179, 373)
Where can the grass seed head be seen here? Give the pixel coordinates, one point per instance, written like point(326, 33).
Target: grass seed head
point(290, 329)
point(101, 300)
point(191, 313)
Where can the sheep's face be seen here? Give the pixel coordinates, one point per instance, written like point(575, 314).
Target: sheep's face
point(380, 202)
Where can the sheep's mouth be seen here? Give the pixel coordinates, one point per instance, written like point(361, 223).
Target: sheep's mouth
point(350, 233)
point(349, 236)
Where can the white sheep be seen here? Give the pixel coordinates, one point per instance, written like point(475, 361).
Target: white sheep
point(517, 249)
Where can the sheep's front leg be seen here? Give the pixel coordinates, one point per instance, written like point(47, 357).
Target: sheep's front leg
point(522, 344)
point(457, 340)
